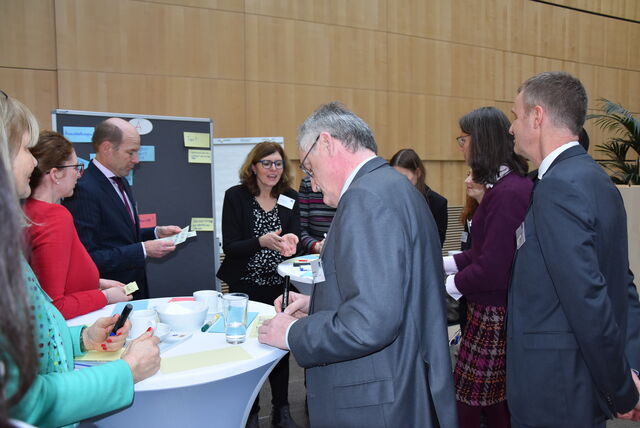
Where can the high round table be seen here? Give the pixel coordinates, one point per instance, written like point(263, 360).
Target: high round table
point(219, 395)
point(301, 276)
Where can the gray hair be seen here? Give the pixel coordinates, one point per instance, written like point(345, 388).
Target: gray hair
point(342, 124)
point(561, 95)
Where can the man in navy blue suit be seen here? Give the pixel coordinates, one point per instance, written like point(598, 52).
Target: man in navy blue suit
point(104, 209)
point(573, 316)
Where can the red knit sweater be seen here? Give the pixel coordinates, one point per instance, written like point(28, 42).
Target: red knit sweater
point(63, 267)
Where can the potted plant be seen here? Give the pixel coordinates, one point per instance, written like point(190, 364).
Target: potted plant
point(625, 130)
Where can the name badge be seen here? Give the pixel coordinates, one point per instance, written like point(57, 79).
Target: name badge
point(520, 236)
point(463, 237)
point(317, 271)
point(286, 201)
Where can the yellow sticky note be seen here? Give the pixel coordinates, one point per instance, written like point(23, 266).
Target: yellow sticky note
point(101, 356)
point(199, 156)
point(202, 224)
point(131, 287)
point(196, 139)
point(203, 359)
point(253, 330)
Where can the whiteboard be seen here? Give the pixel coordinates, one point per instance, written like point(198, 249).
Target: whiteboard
point(228, 156)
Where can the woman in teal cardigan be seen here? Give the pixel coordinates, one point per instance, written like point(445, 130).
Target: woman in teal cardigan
point(60, 395)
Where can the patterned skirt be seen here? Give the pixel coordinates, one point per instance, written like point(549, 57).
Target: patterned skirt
point(480, 372)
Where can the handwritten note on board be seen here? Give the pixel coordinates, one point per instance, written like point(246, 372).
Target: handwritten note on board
point(199, 156)
point(197, 139)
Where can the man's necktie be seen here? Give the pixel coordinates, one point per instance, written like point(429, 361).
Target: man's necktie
point(118, 181)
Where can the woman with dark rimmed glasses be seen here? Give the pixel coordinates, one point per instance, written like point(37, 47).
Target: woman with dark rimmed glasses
point(260, 227)
point(62, 264)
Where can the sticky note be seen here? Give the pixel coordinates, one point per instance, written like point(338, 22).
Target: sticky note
point(199, 156)
point(78, 134)
point(253, 330)
point(218, 326)
point(101, 356)
point(197, 139)
point(203, 359)
point(147, 154)
point(202, 224)
point(147, 220)
point(131, 288)
point(182, 299)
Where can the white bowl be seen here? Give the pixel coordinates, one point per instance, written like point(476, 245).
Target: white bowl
point(183, 316)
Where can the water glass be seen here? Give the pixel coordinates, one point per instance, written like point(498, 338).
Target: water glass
point(235, 317)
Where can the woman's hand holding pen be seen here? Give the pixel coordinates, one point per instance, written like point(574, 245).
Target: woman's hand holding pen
point(298, 305)
point(96, 337)
point(143, 356)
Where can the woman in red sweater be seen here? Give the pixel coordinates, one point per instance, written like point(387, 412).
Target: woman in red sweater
point(64, 268)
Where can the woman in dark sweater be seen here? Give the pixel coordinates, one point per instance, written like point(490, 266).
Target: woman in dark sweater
point(260, 226)
point(482, 273)
point(408, 163)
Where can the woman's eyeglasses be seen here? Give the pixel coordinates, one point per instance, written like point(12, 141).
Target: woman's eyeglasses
point(78, 167)
point(267, 164)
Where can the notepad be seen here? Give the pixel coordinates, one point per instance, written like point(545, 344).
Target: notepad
point(101, 356)
point(203, 359)
point(218, 327)
point(253, 331)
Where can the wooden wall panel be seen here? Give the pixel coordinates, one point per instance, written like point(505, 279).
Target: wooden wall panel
point(37, 89)
point(275, 109)
point(149, 38)
point(428, 124)
point(443, 68)
point(447, 178)
point(370, 14)
point(286, 51)
point(220, 100)
point(232, 5)
point(27, 35)
point(410, 68)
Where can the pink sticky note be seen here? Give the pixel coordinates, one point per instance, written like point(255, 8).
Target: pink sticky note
point(147, 220)
point(181, 299)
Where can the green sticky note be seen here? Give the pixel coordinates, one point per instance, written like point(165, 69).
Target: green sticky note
point(203, 359)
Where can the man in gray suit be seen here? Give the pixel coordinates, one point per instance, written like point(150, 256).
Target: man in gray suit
point(373, 335)
point(573, 317)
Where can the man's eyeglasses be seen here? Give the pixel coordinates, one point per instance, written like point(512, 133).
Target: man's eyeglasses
point(6, 97)
point(462, 139)
point(304, 168)
point(78, 167)
point(267, 164)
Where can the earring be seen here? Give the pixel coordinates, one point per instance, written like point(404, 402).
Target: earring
point(57, 182)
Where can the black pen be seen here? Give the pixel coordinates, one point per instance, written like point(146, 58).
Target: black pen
point(123, 318)
point(285, 295)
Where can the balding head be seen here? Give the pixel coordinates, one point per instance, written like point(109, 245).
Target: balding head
point(116, 143)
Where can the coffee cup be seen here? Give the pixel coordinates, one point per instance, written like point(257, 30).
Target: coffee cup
point(141, 320)
point(211, 298)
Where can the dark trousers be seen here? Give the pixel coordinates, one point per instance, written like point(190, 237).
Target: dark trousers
point(496, 415)
point(279, 376)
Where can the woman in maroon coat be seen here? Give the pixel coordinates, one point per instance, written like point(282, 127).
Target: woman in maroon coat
point(481, 274)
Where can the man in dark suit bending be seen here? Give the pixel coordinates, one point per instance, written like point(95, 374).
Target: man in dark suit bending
point(104, 209)
point(573, 316)
point(373, 335)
